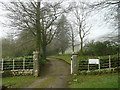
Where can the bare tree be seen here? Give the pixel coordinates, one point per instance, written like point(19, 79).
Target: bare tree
point(73, 36)
point(73, 39)
point(112, 16)
point(37, 18)
point(81, 14)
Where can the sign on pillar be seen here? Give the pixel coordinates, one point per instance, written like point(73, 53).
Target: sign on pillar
point(74, 64)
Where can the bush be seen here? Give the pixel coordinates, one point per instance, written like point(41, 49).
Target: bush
point(117, 69)
point(7, 74)
point(98, 72)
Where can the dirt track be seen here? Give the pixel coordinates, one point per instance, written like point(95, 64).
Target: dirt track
point(55, 75)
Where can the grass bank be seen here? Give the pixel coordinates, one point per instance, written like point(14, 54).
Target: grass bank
point(66, 58)
point(18, 81)
point(95, 81)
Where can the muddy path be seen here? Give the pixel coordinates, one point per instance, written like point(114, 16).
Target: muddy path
point(54, 75)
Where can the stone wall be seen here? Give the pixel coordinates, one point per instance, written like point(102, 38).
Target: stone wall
point(16, 73)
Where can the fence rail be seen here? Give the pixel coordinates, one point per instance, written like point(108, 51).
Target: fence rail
point(16, 64)
point(105, 62)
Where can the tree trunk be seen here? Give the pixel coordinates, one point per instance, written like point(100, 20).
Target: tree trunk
point(72, 41)
point(81, 46)
point(118, 15)
point(38, 50)
point(44, 44)
point(62, 50)
point(38, 35)
point(73, 46)
point(43, 53)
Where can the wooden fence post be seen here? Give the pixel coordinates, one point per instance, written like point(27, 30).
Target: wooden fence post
point(13, 64)
point(109, 62)
point(88, 67)
point(2, 65)
point(23, 63)
point(99, 63)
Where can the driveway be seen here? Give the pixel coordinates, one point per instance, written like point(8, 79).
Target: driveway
point(55, 74)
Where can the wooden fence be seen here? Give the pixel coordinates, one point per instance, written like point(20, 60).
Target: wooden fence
point(16, 64)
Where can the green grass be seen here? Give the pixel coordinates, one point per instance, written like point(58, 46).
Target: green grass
point(66, 58)
point(18, 81)
point(95, 81)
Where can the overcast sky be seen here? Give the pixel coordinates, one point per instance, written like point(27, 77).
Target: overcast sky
point(99, 27)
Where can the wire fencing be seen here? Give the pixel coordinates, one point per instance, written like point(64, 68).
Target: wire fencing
point(111, 61)
point(16, 63)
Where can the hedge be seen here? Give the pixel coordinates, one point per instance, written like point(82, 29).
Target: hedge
point(104, 62)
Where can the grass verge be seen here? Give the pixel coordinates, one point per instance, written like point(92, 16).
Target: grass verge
point(95, 81)
point(18, 81)
point(91, 81)
point(65, 58)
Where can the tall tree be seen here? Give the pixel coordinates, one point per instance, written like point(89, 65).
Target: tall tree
point(24, 44)
point(37, 18)
point(81, 14)
point(8, 47)
point(53, 47)
point(33, 17)
point(73, 36)
point(112, 16)
point(72, 39)
point(63, 33)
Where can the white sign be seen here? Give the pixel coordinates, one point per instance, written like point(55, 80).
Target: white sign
point(93, 61)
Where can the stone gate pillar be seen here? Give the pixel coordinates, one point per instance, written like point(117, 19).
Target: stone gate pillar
point(36, 64)
point(74, 64)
